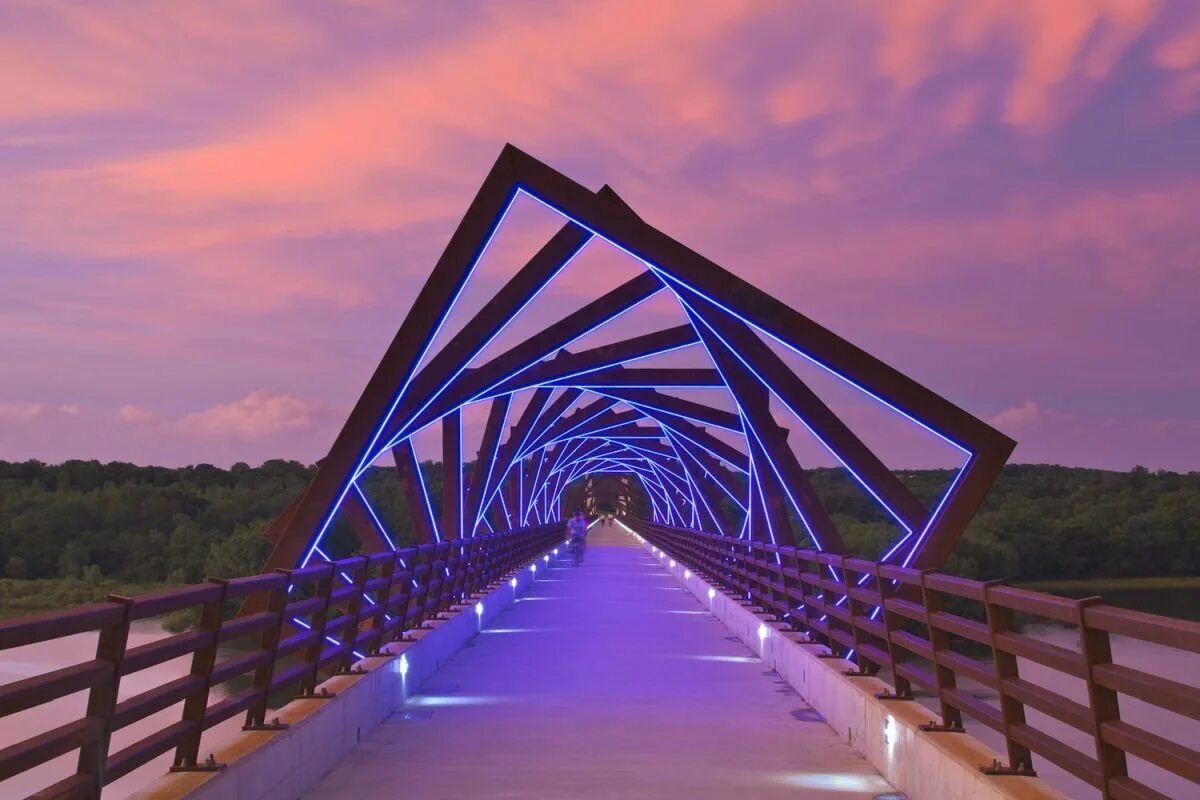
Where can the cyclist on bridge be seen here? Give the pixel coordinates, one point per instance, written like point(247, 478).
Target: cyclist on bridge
point(577, 527)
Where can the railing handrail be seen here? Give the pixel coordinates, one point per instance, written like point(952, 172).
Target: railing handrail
point(869, 610)
point(357, 606)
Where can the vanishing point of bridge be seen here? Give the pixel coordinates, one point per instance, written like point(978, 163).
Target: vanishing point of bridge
point(719, 641)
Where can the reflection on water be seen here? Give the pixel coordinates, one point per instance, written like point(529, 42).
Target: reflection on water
point(1181, 602)
point(26, 662)
point(1176, 665)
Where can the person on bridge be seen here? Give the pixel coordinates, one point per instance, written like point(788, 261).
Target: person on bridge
point(577, 527)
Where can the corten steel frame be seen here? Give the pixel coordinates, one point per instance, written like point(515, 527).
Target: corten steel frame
point(589, 413)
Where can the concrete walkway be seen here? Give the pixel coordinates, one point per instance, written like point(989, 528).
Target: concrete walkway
point(604, 681)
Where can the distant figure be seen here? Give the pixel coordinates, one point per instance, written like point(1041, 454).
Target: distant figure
point(577, 527)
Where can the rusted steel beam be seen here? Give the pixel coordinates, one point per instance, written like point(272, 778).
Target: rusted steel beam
point(366, 526)
point(477, 382)
point(452, 476)
point(685, 377)
point(409, 471)
point(769, 441)
point(651, 399)
point(567, 365)
point(485, 462)
point(812, 411)
point(352, 448)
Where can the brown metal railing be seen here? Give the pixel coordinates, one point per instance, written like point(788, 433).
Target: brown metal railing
point(936, 632)
point(318, 620)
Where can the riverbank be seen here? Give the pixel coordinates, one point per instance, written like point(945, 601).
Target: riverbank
point(19, 597)
point(1102, 585)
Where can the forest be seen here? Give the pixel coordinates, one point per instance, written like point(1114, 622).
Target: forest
point(72, 532)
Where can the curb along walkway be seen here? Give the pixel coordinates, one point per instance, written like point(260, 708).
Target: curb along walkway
point(603, 681)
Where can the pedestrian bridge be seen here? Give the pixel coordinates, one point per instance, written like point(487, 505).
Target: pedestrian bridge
point(606, 680)
point(666, 664)
point(722, 640)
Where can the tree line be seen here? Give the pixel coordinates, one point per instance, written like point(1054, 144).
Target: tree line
point(85, 523)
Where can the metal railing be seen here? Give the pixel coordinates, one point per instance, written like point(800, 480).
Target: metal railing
point(318, 620)
point(940, 633)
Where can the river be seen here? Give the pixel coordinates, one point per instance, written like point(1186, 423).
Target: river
point(1177, 665)
point(25, 662)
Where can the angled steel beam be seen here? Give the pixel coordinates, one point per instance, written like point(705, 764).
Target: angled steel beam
point(779, 472)
point(509, 455)
point(635, 377)
point(705, 440)
point(478, 382)
point(354, 446)
point(756, 356)
point(485, 463)
point(429, 383)
point(415, 494)
point(550, 415)
point(365, 524)
point(685, 271)
point(452, 476)
point(677, 406)
point(567, 365)
point(561, 426)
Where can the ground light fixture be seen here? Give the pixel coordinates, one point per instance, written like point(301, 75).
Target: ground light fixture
point(712, 593)
point(672, 563)
point(403, 665)
point(687, 573)
point(513, 583)
point(763, 631)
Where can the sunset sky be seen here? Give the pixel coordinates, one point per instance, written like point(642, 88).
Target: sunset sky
point(214, 216)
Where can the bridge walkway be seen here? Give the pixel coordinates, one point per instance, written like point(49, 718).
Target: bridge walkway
point(603, 681)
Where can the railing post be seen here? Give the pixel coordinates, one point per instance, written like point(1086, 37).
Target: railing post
point(256, 715)
point(345, 663)
point(939, 641)
point(1000, 620)
point(102, 699)
point(897, 655)
point(312, 653)
point(187, 754)
point(1104, 703)
point(787, 565)
point(828, 601)
point(379, 619)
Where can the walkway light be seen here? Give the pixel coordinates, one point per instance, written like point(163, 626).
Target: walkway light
point(763, 630)
point(479, 609)
point(513, 583)
point(711, 594)
point(687, 573)
point(403, 665)
point(533, 568)
point(672, 563)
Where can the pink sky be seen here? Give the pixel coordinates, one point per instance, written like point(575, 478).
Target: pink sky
point(213, 216)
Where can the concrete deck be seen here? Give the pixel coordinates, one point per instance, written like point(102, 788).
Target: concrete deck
point(603, 681)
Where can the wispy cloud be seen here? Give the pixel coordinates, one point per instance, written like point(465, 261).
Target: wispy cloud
point(243, 192)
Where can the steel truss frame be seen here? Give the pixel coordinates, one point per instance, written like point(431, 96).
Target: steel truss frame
point(589, 413)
